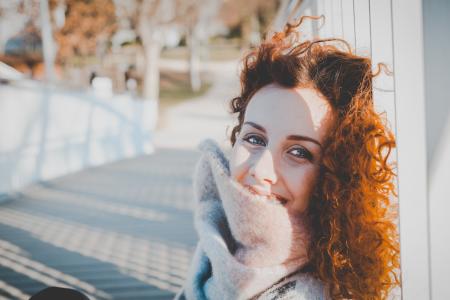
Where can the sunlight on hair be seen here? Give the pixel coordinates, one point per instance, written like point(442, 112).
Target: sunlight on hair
point(159, 264)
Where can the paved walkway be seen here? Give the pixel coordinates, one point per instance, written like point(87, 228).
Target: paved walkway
point(119, 231)
point(204, 117)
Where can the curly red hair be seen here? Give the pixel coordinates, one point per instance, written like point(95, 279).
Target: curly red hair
point(354, 249)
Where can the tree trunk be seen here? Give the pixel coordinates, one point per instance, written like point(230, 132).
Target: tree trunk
point(194, 62)
point(151, 76)
point(250, 31)
point(47, 41)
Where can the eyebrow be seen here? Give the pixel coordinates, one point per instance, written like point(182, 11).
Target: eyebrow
point(294, 137)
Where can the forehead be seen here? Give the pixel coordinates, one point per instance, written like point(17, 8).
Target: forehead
point(290, 111)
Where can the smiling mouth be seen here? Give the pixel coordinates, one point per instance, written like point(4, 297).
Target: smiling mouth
point(280, 199)
point(275, 197)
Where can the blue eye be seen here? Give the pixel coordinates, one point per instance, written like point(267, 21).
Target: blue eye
point(301, 152)
point(254, 140)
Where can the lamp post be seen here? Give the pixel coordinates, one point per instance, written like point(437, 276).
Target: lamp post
point(47, 41)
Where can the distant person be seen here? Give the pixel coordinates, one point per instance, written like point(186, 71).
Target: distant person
point(92, 77)
point(300, 208)
point(131, 78)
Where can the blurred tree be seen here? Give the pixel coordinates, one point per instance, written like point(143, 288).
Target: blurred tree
point(199, 17)
point(155, 21)
point(154, 17)
point(87, 29)
point(252, 17)
point(148, 18)
point(29, 8)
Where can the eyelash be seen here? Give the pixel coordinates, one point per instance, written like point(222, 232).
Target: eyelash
point(304, 154)
point(247, 138)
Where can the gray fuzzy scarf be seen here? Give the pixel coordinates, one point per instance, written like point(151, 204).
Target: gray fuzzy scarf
point(247, 242)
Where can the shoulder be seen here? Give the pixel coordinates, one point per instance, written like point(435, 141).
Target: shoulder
point(298, 286)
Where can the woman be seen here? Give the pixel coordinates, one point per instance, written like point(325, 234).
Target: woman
point(301, 209)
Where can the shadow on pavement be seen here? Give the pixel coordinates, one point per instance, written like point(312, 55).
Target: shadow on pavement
point(118, 231)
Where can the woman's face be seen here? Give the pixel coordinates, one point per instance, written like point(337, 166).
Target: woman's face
point(279, 148)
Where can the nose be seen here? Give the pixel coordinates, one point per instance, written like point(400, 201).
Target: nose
point(263, 168)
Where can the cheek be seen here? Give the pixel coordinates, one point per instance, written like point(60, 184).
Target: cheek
point(239, 162)
point(301, 184)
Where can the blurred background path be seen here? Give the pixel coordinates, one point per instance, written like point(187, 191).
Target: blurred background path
point(207, 116)
point(122, 230)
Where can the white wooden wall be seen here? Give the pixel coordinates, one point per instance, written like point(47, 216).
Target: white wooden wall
point(367, 26)
point(390, 32)
point(436, 14)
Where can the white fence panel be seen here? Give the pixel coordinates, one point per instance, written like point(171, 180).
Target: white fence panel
point(362, 27)
point(382, 52)
point(336, 18)
point(348, 22)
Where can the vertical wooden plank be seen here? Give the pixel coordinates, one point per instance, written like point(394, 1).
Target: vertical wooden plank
point(316, 25)
point(323, 9)
point(411, 147)
point(362, 26)
point(336, 11)
point(381, 50)
point(307, 26)
point(329, 18)
point(383, 85)
point(436, 16)
point(348, 22)
point(439, 189)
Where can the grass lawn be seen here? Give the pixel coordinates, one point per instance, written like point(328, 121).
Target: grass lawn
point(216, 52)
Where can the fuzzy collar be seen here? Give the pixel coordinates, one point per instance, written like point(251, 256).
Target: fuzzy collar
point(246, 242)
